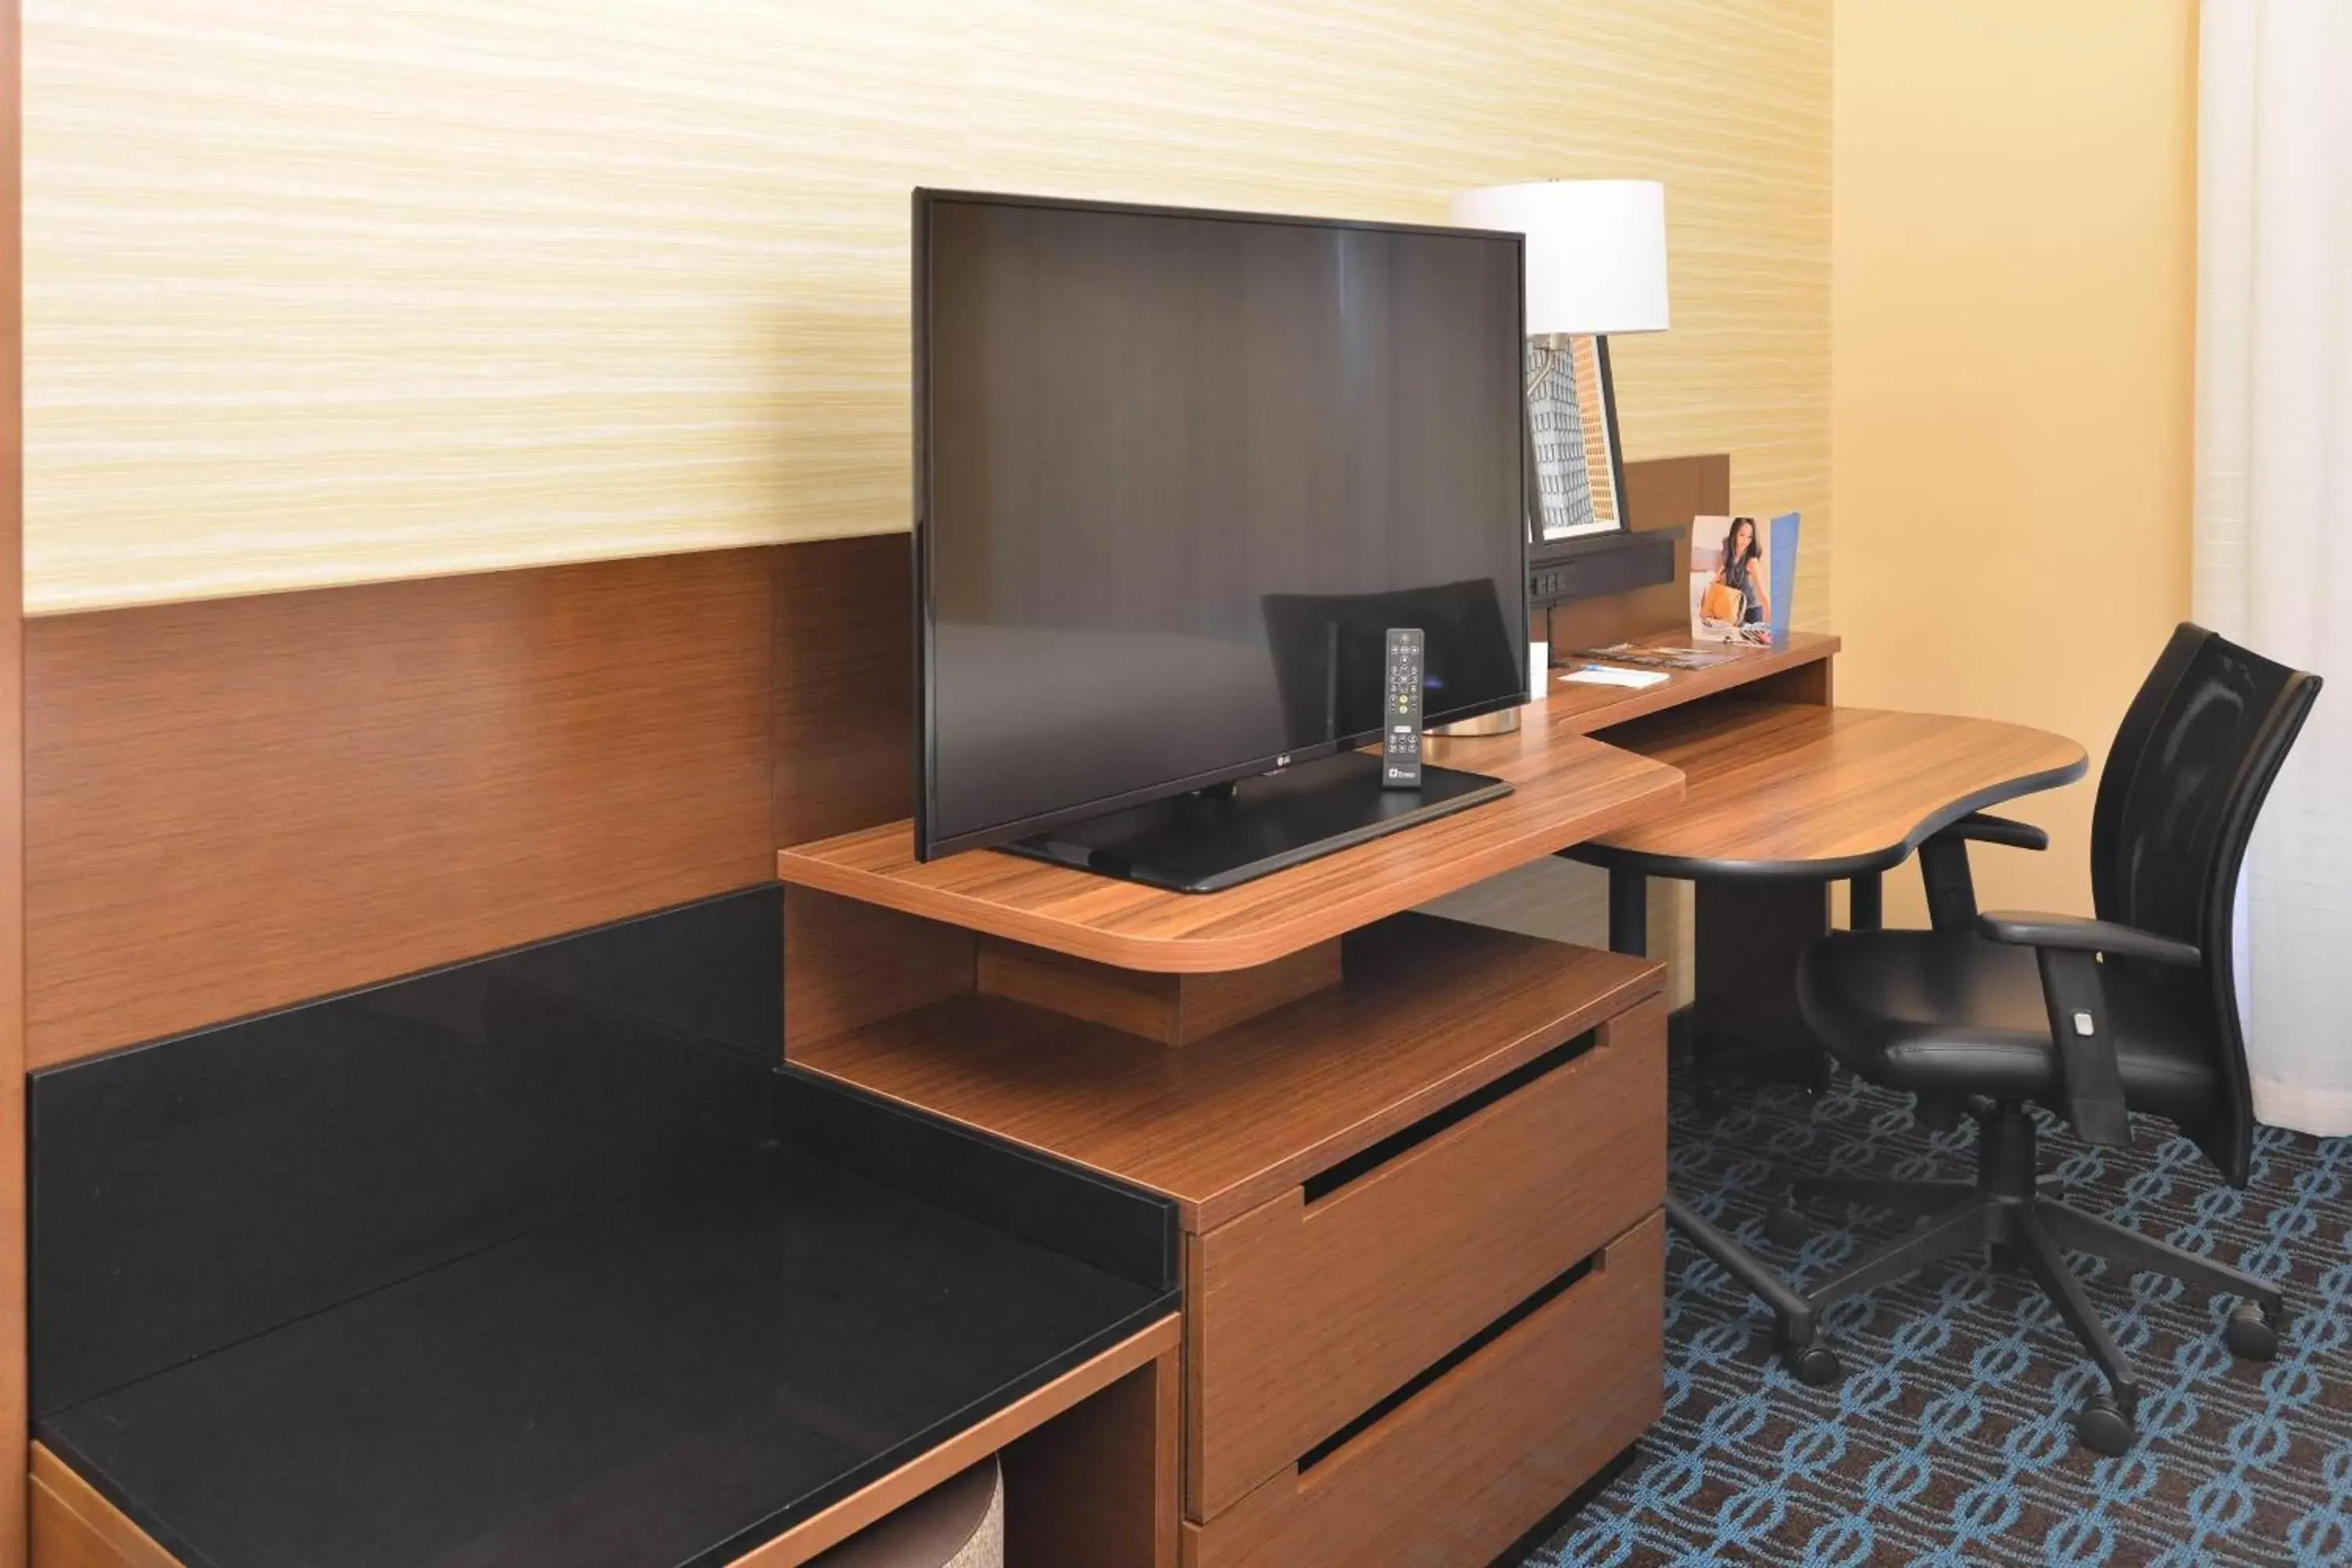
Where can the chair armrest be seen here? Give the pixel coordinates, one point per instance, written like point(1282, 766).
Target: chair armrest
point(2072, 933)
point(1943, 863)
point(1984, 827)
point(2066, 949)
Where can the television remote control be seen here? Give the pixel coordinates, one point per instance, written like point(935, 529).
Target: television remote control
point(1400, 712)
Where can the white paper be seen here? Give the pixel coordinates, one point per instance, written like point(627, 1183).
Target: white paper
point(1607, 675)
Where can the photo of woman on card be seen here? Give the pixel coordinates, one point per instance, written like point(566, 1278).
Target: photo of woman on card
point(1732, 580)
point(1742, 570)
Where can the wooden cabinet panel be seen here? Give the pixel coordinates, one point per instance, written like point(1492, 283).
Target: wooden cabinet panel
point(1096, 1487)
point(1171, 1009)
point(1458, 1471)
point(1311, 1308)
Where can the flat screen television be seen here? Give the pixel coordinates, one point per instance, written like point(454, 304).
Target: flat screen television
point(1176, 473)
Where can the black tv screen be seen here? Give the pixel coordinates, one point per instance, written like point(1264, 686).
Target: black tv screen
point(1176, 474)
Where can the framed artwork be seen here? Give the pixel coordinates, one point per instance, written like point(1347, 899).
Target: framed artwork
point(1576, 476)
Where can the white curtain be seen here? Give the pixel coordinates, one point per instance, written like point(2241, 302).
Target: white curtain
point(2273, 503)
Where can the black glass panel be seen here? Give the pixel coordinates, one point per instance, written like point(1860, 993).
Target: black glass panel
point(668, 1380)
point(192, 1193)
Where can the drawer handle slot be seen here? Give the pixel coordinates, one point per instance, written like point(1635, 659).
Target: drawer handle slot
point(1357, 1166)
point(1545, 1295)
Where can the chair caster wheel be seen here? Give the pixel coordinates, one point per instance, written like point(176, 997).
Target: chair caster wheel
point(2249, 1333)
point(2104, 1429)
point(1814, 1364)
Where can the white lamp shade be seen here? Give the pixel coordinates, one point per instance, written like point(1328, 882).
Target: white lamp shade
point(1596, 250)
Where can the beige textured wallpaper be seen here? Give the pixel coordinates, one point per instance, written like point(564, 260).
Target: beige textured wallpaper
point(319, 291)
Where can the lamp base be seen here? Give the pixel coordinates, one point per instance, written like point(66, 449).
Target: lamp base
point(1503, 721)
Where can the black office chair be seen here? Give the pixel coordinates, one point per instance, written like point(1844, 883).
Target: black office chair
point(2135, 1010)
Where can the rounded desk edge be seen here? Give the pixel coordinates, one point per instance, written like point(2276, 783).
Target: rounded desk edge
point(1861, 863)
point(1196, 953)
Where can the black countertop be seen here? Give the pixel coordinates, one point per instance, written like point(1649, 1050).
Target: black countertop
point(670, 1379)
point(539, 1259)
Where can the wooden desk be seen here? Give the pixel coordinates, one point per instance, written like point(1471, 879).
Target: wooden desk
point(1798, 790)
point(1419, 1163)
point(1375, 1150)
point(1780, 799)
point(1567, 788)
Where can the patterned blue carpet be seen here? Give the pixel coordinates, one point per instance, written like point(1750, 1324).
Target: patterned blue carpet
point(1950, 1441)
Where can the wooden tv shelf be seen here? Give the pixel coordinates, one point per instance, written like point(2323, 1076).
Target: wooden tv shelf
point(1568, 788)
point(1428, 1010)
point(1566, 791)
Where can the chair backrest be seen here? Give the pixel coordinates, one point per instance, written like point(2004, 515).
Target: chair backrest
point(2178, 799)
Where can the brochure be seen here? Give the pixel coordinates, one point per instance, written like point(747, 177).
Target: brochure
point(1743, 574)
point(1650, 657)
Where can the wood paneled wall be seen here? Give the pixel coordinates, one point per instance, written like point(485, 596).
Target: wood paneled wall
point(845, 679)
point(360, 289)
point(240, 804)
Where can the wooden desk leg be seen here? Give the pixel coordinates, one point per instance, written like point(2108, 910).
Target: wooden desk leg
point(1750, 935)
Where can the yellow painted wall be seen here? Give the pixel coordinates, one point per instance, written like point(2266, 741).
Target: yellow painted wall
point(342, 290)
point(2012, 315)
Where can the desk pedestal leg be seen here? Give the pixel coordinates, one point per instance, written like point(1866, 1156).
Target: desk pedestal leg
point(1628, 911)
point(1868, 908)
point(1749, 936)
point(1810, 1361)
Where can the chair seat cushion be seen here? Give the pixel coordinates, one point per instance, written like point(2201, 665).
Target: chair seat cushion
point(1951, 1013)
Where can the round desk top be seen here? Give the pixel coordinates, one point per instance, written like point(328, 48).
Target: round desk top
point(1776, 789)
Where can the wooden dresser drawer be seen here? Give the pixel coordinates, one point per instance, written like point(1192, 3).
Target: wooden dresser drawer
point(1457, 1470)
point(1314, 1306)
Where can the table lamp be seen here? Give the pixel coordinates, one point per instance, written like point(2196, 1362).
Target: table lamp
point(1596, 265)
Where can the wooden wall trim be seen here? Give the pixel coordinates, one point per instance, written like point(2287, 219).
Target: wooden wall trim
point(14, 1415)
point(853, 1513)
point(240, 804)
point(1134, 1412)
point(74, 1527)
